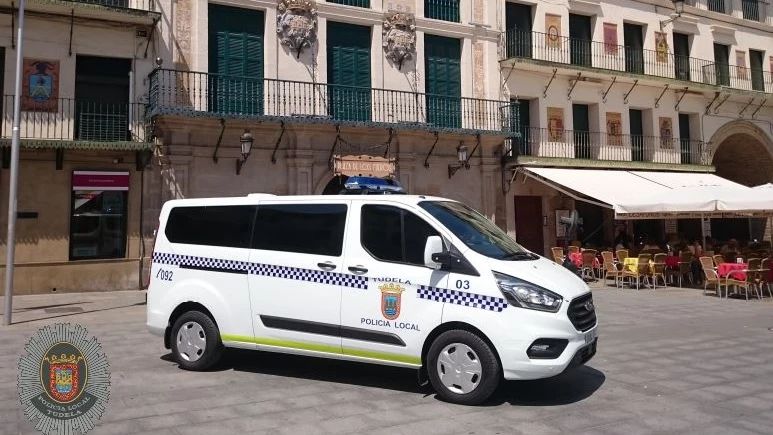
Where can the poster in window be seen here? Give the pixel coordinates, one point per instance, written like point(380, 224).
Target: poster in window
point(553, 30)
point(666, 133)
point(556, 124)
point(615, 128)
point(40, 86)
point(661, 47)
point(740, 64)
point(610, 38)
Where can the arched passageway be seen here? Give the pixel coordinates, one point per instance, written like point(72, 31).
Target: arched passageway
point(744, 154)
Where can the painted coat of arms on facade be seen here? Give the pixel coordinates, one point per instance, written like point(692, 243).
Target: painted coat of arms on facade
point(296, 23)
point(399, 32)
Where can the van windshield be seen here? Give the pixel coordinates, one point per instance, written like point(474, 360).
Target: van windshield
point(474, 230)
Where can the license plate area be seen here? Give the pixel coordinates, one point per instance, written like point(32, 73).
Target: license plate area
point(590, 336)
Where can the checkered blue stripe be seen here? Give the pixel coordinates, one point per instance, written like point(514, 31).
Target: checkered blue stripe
point(461, 298)
point(294, 273)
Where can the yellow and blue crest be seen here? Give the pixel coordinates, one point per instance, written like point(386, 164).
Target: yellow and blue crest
point(391, 300)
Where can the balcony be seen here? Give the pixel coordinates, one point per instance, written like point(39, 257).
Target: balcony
point(587, 148)
point(598, 56)
point(125, 11)
point(197, 94)
point(67, 123)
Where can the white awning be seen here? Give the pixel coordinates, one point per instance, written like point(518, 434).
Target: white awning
point(654, 195)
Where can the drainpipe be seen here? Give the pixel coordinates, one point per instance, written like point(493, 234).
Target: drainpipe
point(131, 100)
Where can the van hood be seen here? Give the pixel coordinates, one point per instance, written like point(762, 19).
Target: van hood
point(544, 273)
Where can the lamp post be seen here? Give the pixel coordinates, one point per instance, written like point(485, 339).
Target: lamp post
point(463, 156)
point(678, 9)
point(245, 141)
point(14, 175)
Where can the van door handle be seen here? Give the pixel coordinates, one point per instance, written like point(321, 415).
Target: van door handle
point(358, 269)
point(326, 265)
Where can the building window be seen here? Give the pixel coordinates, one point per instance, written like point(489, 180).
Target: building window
point(751, 9)
point(98, 215)
point(446, 10)
point(717, 6)
point(359, 3)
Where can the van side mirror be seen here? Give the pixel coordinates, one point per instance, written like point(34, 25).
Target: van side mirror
point(434, 253)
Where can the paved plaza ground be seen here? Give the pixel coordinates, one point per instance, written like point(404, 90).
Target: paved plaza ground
point(669, 361)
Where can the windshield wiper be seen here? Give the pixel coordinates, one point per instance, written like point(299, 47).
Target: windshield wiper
point(517, 256)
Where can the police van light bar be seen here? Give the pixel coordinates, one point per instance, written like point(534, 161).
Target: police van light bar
point(371, 185)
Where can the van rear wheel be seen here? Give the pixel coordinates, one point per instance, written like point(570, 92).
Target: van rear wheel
point(196, 343)
point(462, 368)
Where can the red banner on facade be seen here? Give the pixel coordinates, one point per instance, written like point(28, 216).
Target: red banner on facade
point(100, 180)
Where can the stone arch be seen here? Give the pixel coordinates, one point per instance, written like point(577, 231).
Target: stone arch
point(738, 144)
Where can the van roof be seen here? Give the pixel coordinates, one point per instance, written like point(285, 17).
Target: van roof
point(254, 198)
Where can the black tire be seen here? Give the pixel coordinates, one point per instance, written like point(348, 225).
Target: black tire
point(213, 349)
point(490, 376)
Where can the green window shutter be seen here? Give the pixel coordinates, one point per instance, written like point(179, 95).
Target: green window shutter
point(446, 10)
point(444, 81)
point(236, 60)
point(349, 74)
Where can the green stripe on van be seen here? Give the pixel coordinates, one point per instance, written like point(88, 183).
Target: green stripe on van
point(322, 348)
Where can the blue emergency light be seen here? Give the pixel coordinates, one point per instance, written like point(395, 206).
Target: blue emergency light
point(371, 186)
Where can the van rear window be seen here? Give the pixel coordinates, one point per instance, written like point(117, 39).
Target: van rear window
point(228, 226)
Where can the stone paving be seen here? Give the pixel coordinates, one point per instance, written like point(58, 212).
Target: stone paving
point(670, 361)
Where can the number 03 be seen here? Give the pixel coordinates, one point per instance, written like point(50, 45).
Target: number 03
point(463, 284)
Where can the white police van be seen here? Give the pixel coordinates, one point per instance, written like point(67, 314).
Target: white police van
point(403, 280)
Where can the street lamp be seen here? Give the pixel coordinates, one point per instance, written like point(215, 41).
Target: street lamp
point(245, 141)
point(678, 8)
point(464, 160)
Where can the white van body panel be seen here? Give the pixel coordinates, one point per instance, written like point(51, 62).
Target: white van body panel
point(345, 312)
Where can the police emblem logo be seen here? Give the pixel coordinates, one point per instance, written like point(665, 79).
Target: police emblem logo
point(391, 300)
point(64, 379)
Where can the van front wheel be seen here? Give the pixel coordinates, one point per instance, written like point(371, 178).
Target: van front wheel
point(462, 368)
point(196, 343)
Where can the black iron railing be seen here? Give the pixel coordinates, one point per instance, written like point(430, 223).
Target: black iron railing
point(75, 120)
point(590, 145)
point(141, 5)
point(188, 93)
point(654, 63)
point(716, 6)
point(753, 10)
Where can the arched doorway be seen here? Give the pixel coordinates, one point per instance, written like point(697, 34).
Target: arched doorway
point(744, 154)
point(335, 185)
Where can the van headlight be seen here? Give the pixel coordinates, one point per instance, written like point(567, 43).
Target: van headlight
point(524, 294)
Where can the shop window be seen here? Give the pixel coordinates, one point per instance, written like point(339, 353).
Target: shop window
point(98, 215)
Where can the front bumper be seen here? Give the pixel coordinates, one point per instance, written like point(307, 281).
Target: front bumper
point(516, 365)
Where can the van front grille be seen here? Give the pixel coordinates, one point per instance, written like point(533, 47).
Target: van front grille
point(582, 312)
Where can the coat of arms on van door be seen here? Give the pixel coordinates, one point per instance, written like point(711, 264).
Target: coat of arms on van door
point(399, 34)
point(296, 23)
point(41, 85)
point(391, 300)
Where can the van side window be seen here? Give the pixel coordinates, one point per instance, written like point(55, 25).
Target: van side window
point(393, 234)
point(302, 228)
point(228, 226)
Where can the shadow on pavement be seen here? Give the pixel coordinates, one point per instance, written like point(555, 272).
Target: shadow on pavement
point(319, 369)
point(79, 313)
point(570, 387)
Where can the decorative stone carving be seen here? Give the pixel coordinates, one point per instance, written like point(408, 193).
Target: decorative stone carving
point(399, 34)
point(296, 23)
